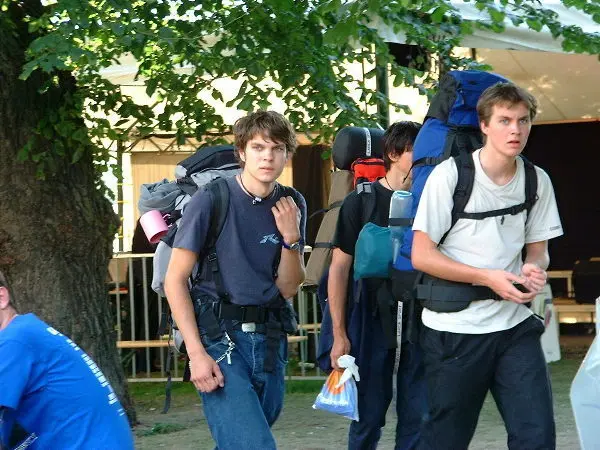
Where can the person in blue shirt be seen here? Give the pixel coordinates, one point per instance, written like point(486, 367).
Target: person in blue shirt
point(53, 395)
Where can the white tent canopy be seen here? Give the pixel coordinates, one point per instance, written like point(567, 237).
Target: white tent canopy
point(512, 38)
point(565, 84)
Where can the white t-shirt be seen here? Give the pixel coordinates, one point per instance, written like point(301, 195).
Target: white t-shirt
point(492, 243)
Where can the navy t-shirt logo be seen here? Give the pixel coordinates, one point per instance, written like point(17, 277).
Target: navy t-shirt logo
point(270, 238)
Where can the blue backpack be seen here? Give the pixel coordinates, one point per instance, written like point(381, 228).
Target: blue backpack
point(451, 129)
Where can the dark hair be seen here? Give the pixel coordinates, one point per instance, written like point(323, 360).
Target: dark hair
point(269, 124)
point(504, 94)
point(397, 139)
point(4, 283)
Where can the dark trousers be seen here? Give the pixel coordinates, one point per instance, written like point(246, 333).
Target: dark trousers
point(375, 392)
point(461, 368)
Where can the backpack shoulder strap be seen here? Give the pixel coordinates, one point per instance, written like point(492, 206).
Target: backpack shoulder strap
point(366, 193)
point(463, 189)
point(219, 191)
point(531, 185)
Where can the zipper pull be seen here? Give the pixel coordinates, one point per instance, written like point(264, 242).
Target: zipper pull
point(228, 357)
point(502, 221)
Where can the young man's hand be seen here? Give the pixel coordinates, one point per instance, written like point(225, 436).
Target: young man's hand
point(502, 283)
point(535, 278)
point(287, 219)
point(205, 373)
point(341, 346)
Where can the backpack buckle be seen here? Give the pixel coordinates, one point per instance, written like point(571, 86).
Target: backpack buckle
point(514, 210)
point(249, 327)
point(216, 306)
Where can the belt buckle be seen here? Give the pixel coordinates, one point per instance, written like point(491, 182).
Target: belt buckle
point(249, 327)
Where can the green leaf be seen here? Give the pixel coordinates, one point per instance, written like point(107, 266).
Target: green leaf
point(77, 155)
point(534, 24)
point(245, 104)
point(28, 69)
point(497, 16)
point(166, 33)
point(438, 14)
point(151, 85)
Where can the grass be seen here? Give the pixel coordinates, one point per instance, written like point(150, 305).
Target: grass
point(149, 395)
point(145, 393)
point(162, 428)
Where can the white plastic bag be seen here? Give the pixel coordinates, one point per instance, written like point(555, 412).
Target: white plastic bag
point(585, 394)
point(339, 395)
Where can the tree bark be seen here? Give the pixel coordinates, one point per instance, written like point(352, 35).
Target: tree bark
point(55, 234)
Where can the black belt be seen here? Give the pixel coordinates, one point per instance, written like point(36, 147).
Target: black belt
point(250, 313)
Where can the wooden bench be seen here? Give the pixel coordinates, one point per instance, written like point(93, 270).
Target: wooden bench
point(563, 274)
point(311, 327)
point(165, 343)
point(143, 344)
point(568, 305)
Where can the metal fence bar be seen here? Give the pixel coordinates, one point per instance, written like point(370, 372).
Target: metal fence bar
point(132, 314)
point(146, 321)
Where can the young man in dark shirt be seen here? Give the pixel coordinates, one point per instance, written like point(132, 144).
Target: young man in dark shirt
point(375, 391)
point(236, 363)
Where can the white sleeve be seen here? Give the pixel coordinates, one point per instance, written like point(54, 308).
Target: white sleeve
point(543, 222)
point(434, 213)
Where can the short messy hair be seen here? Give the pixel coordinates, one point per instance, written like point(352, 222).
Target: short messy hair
point(504, 93)
point(269, 124)
point(398, 138)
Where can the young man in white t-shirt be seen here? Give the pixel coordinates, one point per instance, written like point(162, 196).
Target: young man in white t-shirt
point(491, 344)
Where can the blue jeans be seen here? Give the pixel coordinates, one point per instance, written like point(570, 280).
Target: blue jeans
point(240, 414)
point(375, 392)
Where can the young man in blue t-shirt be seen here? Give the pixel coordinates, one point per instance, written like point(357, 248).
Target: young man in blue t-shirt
point(51, 391)
point(236, 339)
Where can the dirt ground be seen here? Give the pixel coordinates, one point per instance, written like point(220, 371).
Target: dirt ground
point(302, 428)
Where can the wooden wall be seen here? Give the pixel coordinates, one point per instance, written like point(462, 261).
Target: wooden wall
point(150, 167)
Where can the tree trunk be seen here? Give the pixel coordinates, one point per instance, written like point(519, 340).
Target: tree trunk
point(55, 234)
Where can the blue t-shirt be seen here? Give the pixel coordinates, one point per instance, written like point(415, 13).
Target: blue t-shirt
point(247, 247)
point(55, 392)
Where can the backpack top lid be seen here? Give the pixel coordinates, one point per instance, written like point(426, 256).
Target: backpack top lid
point(212, 157)
point(352, 143)
point(456, 100)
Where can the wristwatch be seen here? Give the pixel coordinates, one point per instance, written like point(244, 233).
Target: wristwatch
point(293, 246)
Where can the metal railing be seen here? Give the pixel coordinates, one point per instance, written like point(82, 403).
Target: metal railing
point(121, 271)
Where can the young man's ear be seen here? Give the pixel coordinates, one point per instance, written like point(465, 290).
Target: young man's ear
point(483, 126)
point(242, 155)
point(4, 298)
point(396, 154)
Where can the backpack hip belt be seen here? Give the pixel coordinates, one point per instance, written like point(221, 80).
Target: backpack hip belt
point(441, 295)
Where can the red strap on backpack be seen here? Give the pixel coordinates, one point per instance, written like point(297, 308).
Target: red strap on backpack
point(367, 169)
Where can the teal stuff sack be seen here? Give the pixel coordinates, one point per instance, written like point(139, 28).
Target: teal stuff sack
point(372, 252)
